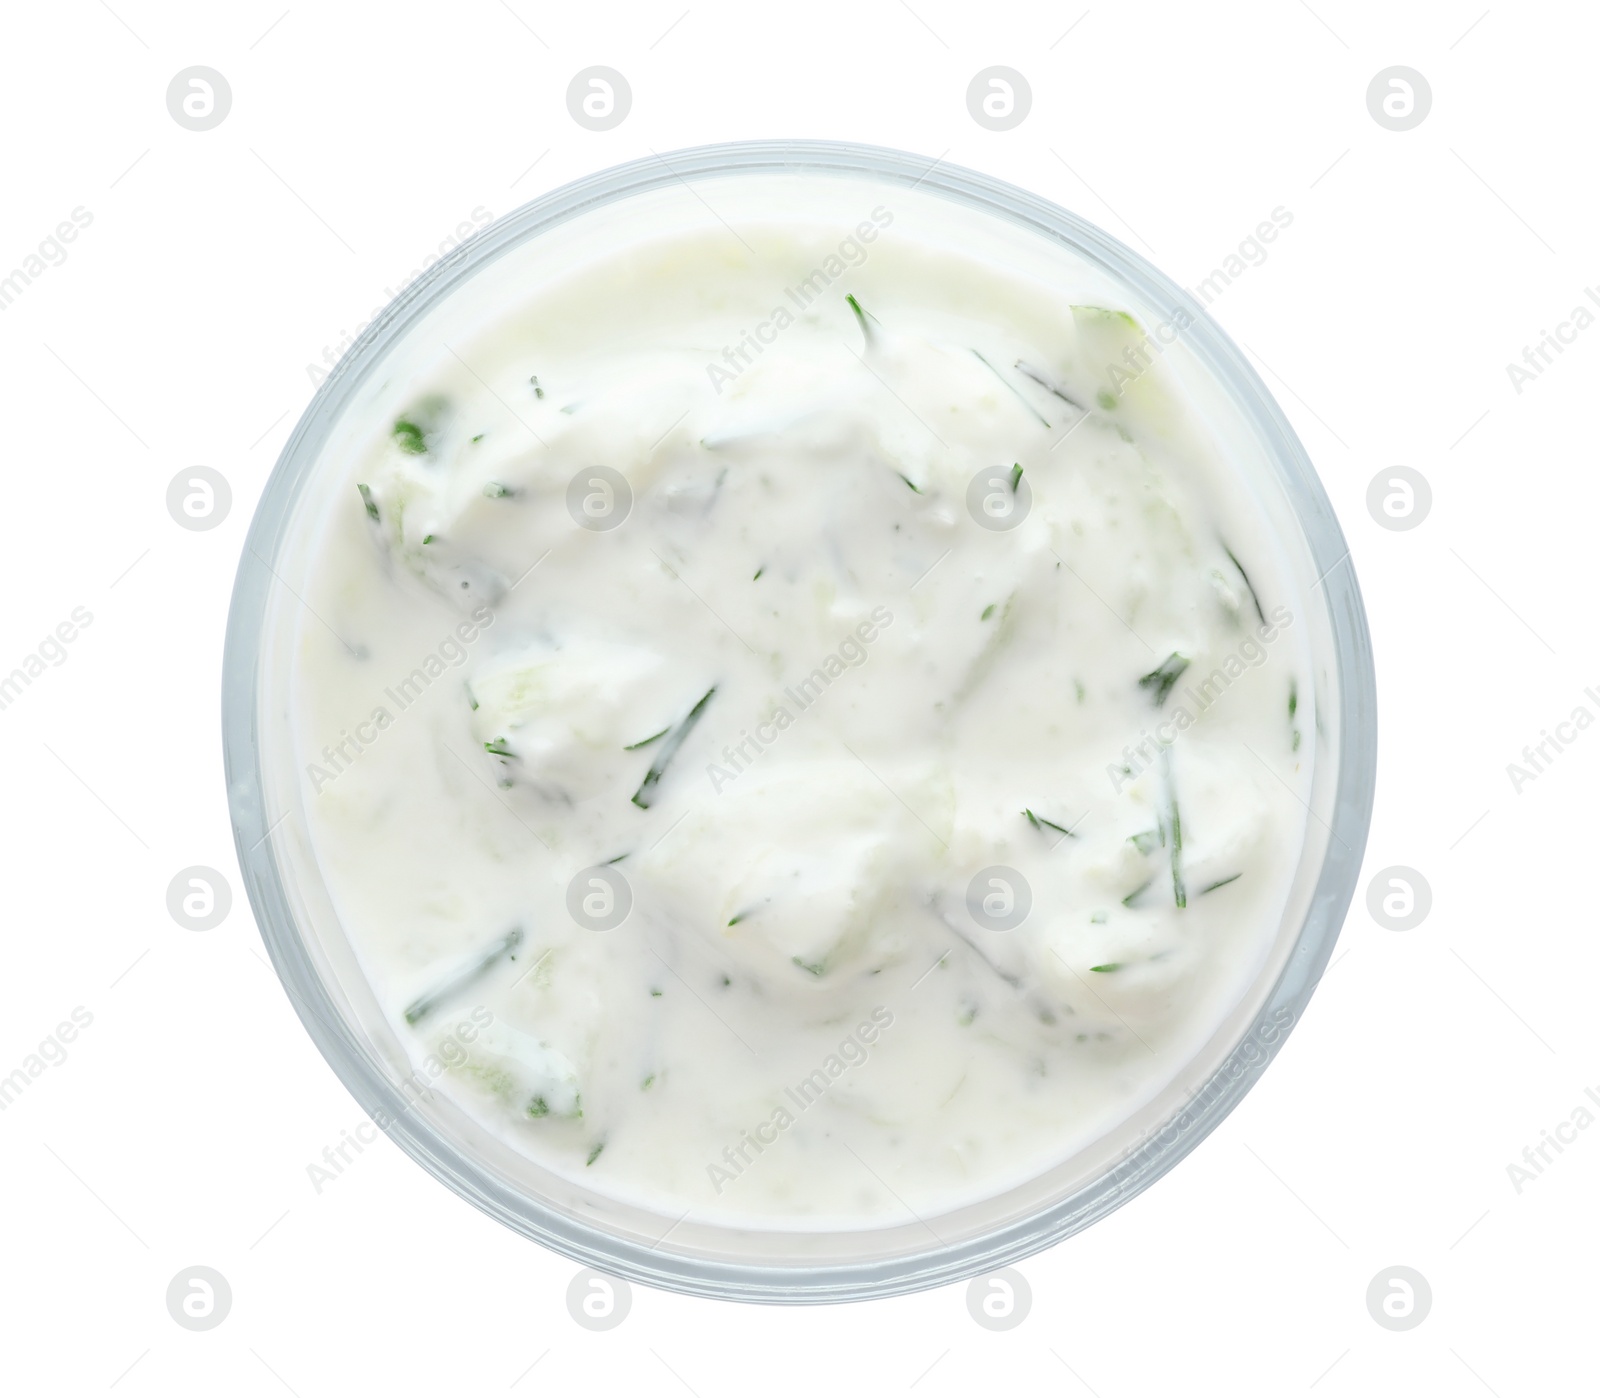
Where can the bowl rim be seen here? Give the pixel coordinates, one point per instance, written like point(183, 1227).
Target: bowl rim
point(1349, 815)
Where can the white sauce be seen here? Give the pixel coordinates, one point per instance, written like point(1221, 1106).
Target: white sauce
point(800, 1021)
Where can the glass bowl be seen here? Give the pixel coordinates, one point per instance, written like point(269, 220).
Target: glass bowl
point(702, 189)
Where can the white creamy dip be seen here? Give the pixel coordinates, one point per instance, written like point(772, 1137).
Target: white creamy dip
point(902, 671)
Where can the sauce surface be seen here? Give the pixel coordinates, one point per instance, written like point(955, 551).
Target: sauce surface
point(840, 733)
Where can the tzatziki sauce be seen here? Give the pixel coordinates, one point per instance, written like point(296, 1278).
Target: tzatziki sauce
point(807, 733)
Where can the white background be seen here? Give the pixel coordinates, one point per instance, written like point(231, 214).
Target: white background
point(219, 264)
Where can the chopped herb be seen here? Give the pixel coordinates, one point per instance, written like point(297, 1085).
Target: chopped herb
point(1078, 685)
point(1097, 917)
point(1160, 680)
point(993, 643)
point(907, 479)
point(495, 491)
point(1016, 476)
point(1128, 901)
point(1294, 703)
point(1109, 966)
point(498, 747)
point(987, 612)
point(759, 572)
point(645, 1085)
point(1174, 825)
point(1220, 883)
point(478, 438)
point(646, 792)
point(656, 994)
point(1294, 745)
point(1040, 823)
point(727, 981)
point(537, 391)
point(409, 437)
point(429, 538)
point(538, 1107)
point(594, 1155)
point(424, 1005)
point(471, 698)
point(1294, 698)
point(866, 321)
point(645, 742)
point(816, 968)
point(1249, 587)
point(969, 1012)
point(1106, 399)
point(619, 858)
point(1050, 386)
point(368, 501)
point(1147, 841)
point(1007, 382)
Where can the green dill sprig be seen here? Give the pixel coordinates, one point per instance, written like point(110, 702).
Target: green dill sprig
point(424, 1005)
point(866, 321)
point(1174, 829)
point(1038, 822)
point(1016, 392)
point(1249, 586)
point(646, 792)
point(645, 742)
point(1220, 883)
point(1049, 385)
point(1160, 680)
point(369, 502)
